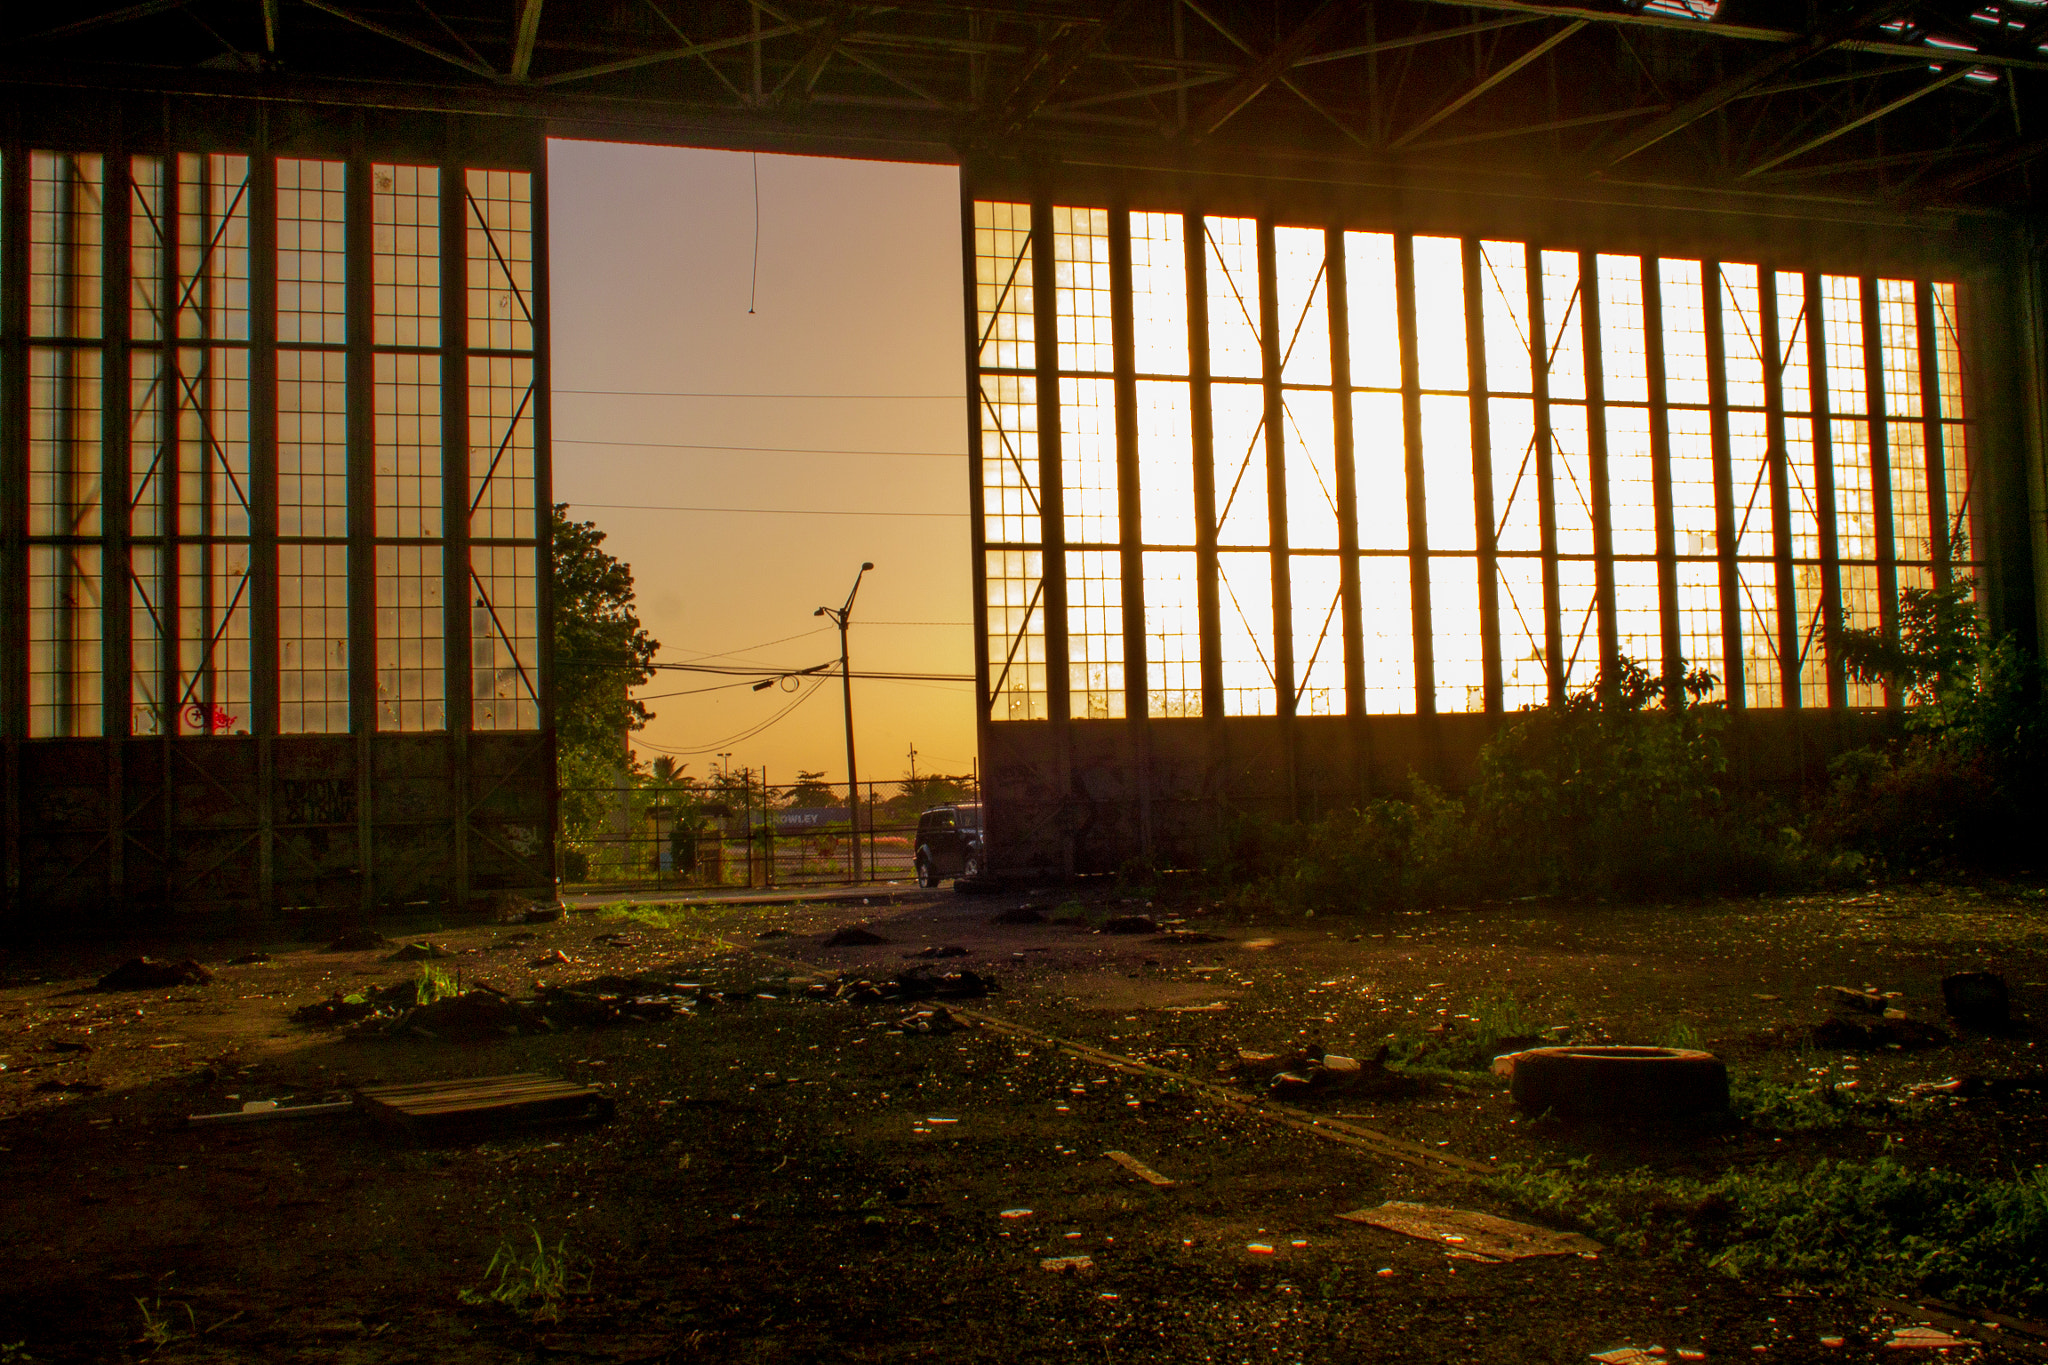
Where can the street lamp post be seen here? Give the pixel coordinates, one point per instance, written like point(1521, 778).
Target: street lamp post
point(840, 618)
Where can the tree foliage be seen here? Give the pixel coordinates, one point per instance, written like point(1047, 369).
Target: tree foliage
point(601, 652)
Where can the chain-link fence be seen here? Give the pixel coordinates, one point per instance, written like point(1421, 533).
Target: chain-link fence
point(740, 834)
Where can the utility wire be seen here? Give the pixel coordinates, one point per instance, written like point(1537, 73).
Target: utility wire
point(843, 397)
point(761, 511)
point(719, 744)
point(763, 450)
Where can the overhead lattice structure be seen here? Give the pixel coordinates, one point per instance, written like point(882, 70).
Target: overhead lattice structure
point(1345, 376)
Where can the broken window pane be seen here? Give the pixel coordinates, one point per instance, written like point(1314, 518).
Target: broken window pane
point(1245, 584)
point(1095, 635)
point(1159, 293)
point(312, 639)
point(1380, 460)
point(1311, 462)
point(1447, 472)
point(1316, 587)
point(1080, 253)
point(1699, 619)
point(1440, 361)
point(1690, 434)
point(1371, 311)
point(1525, 680)
point(1638, 623)
point(1631, 493)
point(1173, 635)
point(411, 688)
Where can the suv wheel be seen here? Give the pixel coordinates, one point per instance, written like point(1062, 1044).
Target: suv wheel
point(927, 875)
point(972, 867)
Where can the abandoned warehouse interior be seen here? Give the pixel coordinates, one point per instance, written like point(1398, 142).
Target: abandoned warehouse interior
point(1341, 379)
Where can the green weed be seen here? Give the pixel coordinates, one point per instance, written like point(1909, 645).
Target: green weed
point(1869, 1226)
point(159, 1327)
point(434, 983)
point(533, 1283)
point(1680, 1034)
point(1491, 1024)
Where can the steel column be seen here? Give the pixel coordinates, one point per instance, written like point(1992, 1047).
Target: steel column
point(1485, 520)
point(458, 593)
point(1879, 442)
point(1734, 684)
point(1337, 290)
point(359, 241)
point(1418, 519)
point(1546, 475)
point(1824, 489)
point(263, 551)
point(1596, 465)
point(1130, 512)
point(1790, 664)
point(1660, 477)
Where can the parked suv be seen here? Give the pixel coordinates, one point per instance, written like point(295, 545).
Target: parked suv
point(948, 843)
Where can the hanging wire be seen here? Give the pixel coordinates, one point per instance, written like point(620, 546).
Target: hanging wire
point(754, 283)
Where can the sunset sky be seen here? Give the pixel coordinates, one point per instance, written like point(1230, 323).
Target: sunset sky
point(837, 404)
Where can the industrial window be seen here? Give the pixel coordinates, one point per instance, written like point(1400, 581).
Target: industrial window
point(1546, 460)
point(186, 526)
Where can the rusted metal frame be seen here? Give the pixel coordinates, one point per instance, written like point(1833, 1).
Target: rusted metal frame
point(265, 650)
point(398, 36)
point(1745, 33)
point(1337, 290)
point(1596, 465)
point(114, 479)
point(1049, 65)
point(977, 533)
point(1130, 510)
point(1557, 125)
point(76, 27)
point(524, 37)
point(1280, 564)
point(1195, 239)
point(1660, 482)
point(1734, 681)
point(1486, 546)
point(684, 39)
point(1824, 488)
point(1870, 163)
point(449, 29)
point(1488, 83)
point(1052, 501)
point(1790, 664)
point(14, 257)
point(2010, 160)
point(358, 253)
point(1935, 446)
point(1283, 79)
point(1412, 455)
point(1724, 92)
point(1546, 476)
point(170, 590)
point(752, 38)
point(1269, 68)
point(542, 316)
point(457, 507)
point(1879, 443)
point(1891, 106)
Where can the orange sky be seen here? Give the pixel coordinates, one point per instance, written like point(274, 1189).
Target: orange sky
point(857, 309)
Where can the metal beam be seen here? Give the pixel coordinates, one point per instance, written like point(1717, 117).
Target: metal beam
point(522, 43)
point(803, 77)
point(1901, 102)
point(1489, 83)
point(1769, 69)
point(1213, 22)
point(475, 69)
point(1268, 69)
point(675, 54)
point(1047, 67)
point(97, 21)
point(1553, 126)
point(2009, 160)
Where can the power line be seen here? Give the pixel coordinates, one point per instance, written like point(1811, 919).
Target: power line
point(838, 397)
point(761, 511)
point(763, 450)
point(718, 744)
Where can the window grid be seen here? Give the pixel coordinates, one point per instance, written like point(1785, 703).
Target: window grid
point(406, 255)
point(1653, 446)
point(312, 261)
point(500, 260)
point(411, 673)
point(504, 637)
point(1004, 304)
point(1095, 634)
point(312, 639)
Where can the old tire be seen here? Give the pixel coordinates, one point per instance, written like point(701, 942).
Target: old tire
point(1620, 1082)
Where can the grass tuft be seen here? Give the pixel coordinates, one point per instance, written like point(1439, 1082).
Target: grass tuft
point(532, 1283)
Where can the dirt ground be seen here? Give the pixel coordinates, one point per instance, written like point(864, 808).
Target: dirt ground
point(780, 1181)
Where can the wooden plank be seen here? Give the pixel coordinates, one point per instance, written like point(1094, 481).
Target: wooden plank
point(521, 1097)
point(1140, 1169)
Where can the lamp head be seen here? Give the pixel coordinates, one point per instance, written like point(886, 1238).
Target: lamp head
point(819, 612)
point(865, 567)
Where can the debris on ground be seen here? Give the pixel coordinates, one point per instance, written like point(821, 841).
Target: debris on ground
point(1140, 1170)
point(937, 1019)
point(1922, 1339)
point(1187, 936)
point(359, 941)
point(1302, 1072)
point(1928, 1318)
point(1894, 1029)
point(421, 951)
point(552, 958)
point(465, 1106)
point(1978, 1000)
point(472, 1017)
point(854, 936)
point(541, 914)
point(773, 933)
point(1479, 1236)
point(70, 1087)
point(946, 950)
point(606, 1001)
point(264, 1111)
point(1865, 1001)
point(248, 959)
point(917, 983)
point(1079, 1265)
point(1130, 924)
point(147, 973)
point(1020, 914)
point(1628, 1355)
point(66, 1046)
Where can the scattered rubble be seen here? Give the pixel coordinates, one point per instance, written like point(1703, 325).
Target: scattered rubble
point(1187, 936)
point(854, 936)
point(147, 973)
point(1865, 1001)
point(1978, 1000)
point(248, 959)
point(1307, 1071)
point(916, 983)
point(948, 950)
point(937, 1019)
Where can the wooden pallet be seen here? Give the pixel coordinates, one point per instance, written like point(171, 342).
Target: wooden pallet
point(522, 1098)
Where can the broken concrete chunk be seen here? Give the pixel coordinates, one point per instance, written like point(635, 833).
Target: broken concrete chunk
point(1977, 1000)
point(1864, 1002)
point(1079, 1265)
point(146, 973)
